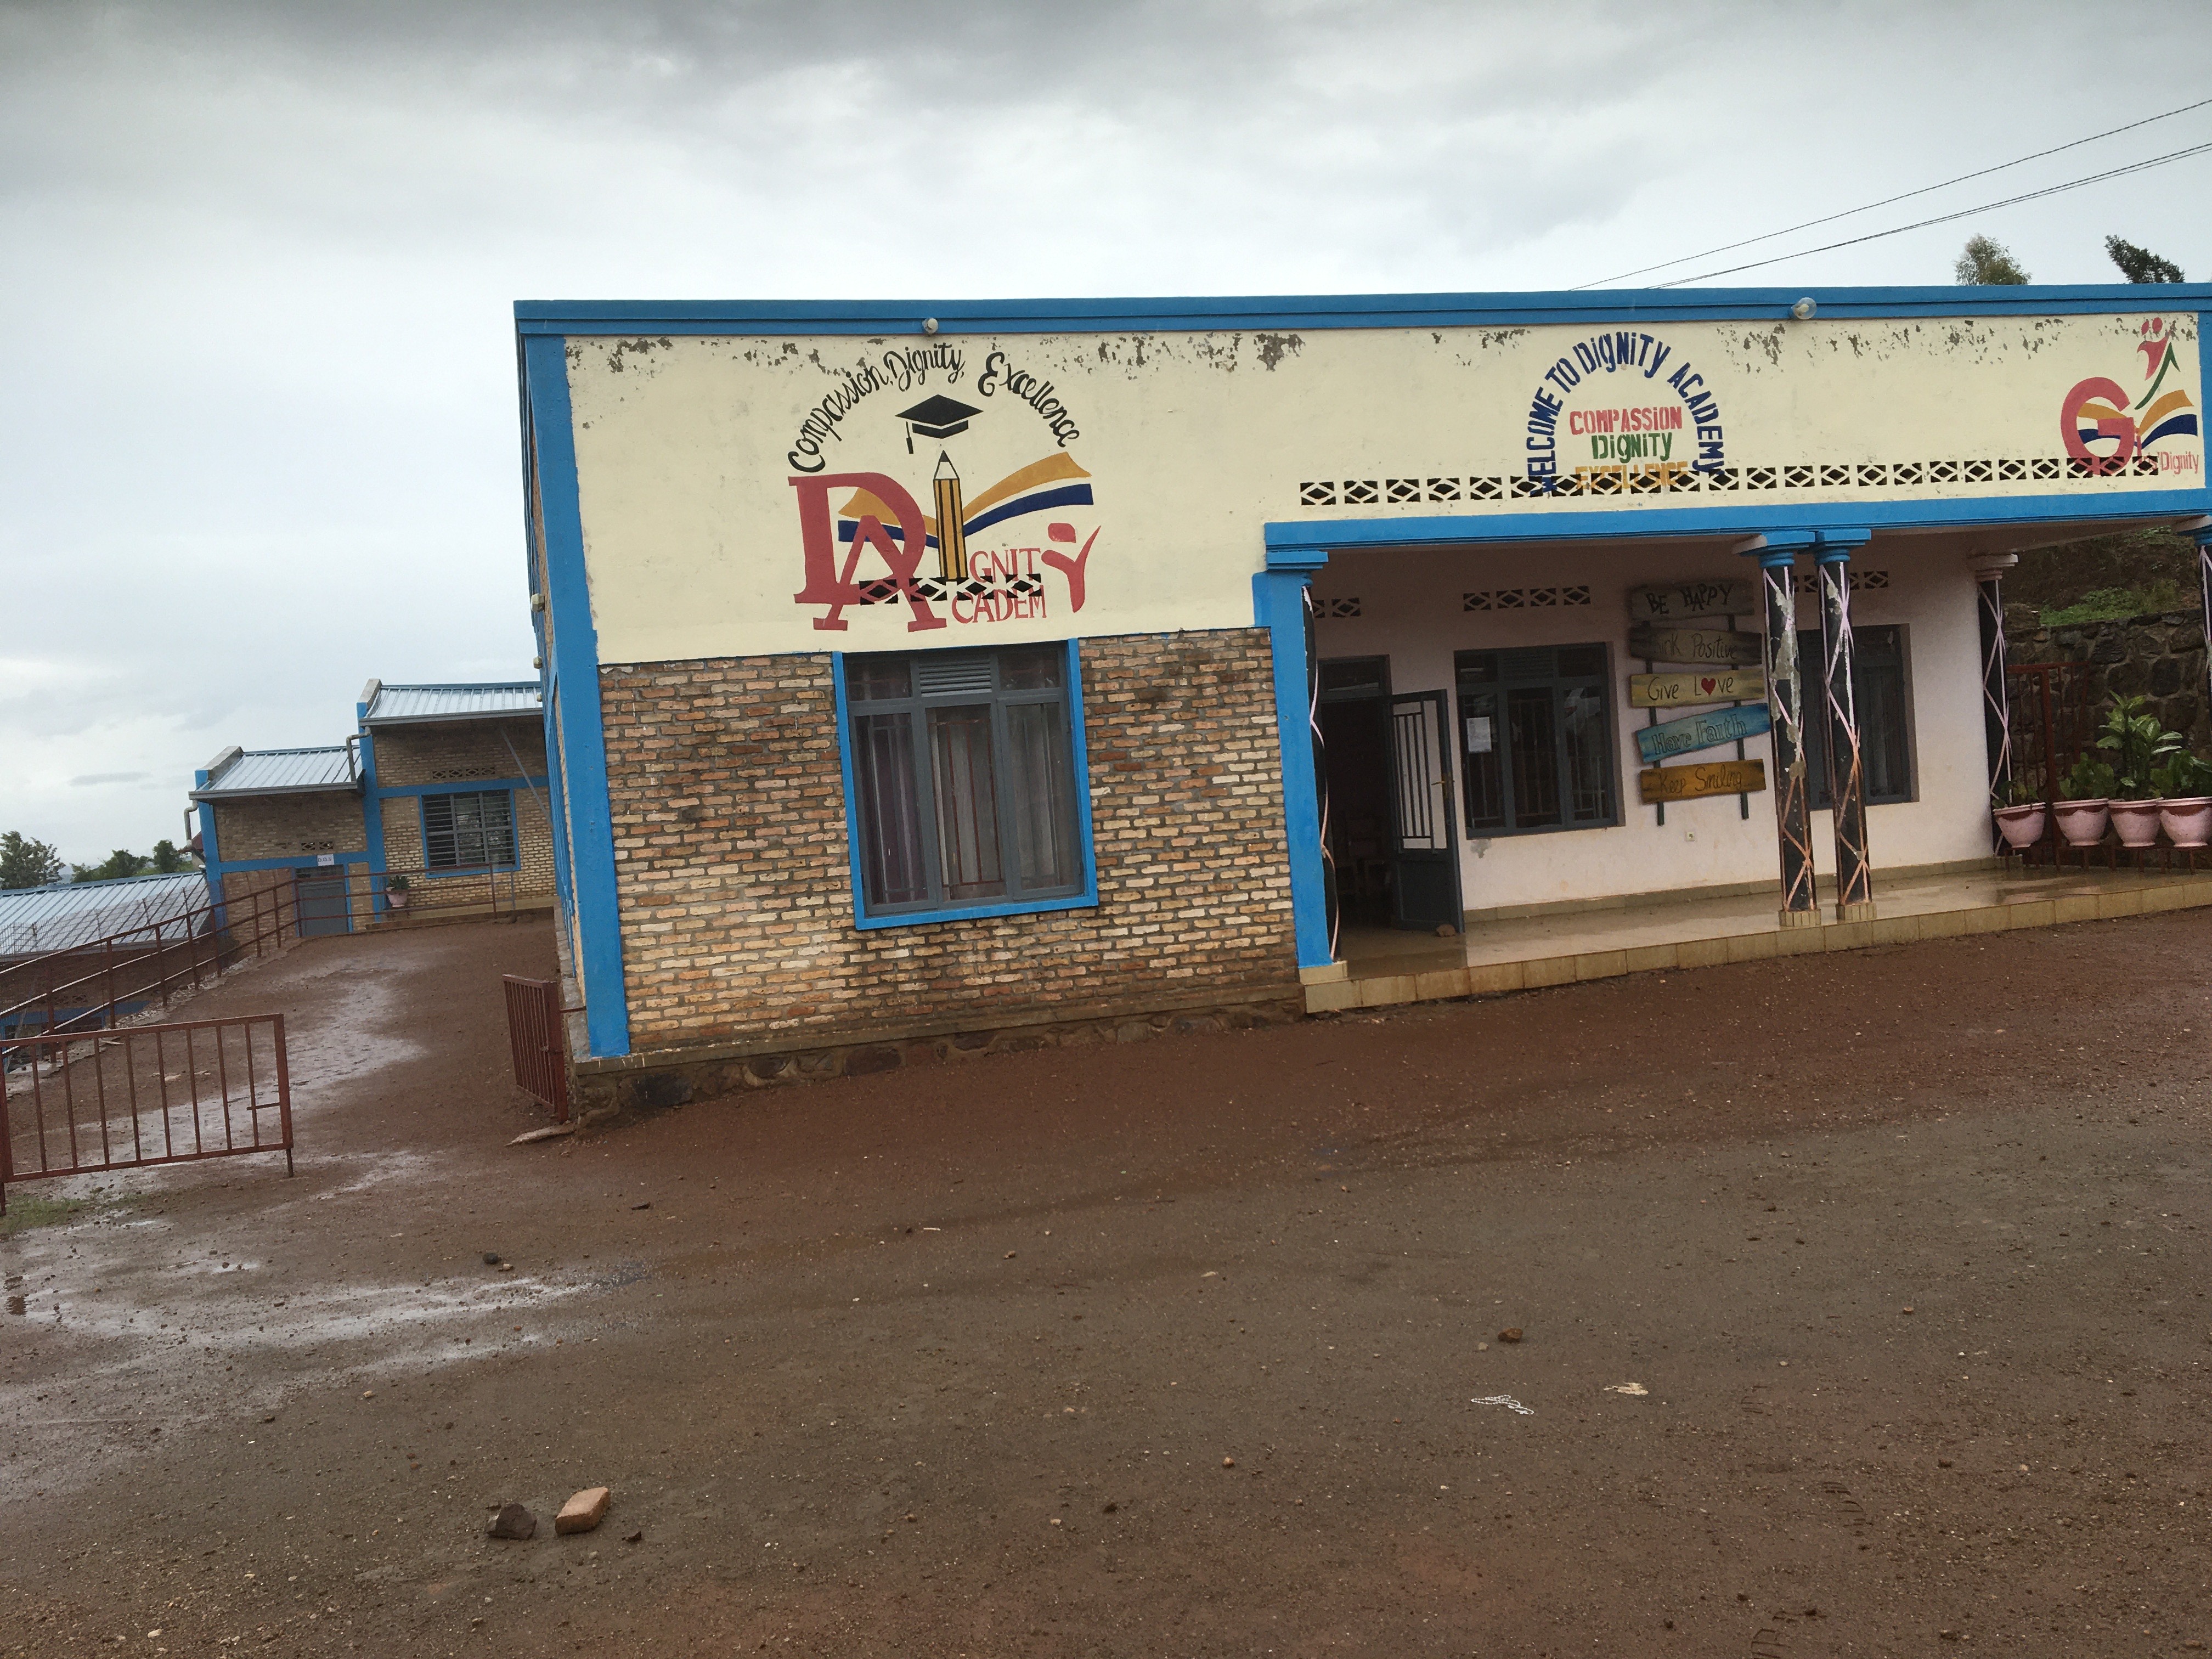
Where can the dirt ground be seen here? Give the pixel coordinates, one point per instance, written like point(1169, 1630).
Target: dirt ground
point(1863, 1302)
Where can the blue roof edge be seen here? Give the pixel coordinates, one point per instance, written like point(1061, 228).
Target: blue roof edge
point(1338, 310)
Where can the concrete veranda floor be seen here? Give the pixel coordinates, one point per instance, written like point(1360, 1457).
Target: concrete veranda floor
point(1563, 944)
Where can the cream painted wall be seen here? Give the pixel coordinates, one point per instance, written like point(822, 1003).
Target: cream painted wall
point(1410, 611)
point(687, 450)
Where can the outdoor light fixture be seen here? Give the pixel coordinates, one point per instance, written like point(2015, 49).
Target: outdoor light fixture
point(1804, 308)
point(929, 326)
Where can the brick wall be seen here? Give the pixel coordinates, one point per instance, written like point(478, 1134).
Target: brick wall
point(736, 892)
point(466, 751)
point(464, 754)
point(288, 826)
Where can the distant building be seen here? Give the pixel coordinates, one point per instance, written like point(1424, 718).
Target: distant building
point(443, 786)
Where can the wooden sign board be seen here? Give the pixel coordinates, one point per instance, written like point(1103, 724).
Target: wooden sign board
point(1695, 731)
point(1688, 690)
point(1678, 601)
point(1695, 645)
point(1663, 783)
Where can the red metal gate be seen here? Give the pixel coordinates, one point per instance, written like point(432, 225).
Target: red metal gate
point(134, 1096)
point(538, 1040)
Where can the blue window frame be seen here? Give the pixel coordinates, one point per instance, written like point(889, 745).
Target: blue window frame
point(469, 830)
point(967, 786)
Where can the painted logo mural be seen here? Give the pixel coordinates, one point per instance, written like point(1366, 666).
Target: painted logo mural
point(1593, 414)
point(1006, 551)
point(2107, 426)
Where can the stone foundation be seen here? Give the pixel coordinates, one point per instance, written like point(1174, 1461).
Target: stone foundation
point(672, 1077)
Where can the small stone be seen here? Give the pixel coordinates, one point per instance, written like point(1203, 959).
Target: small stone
point(637, 1537)
point(646, 1206)
point(584, 1511)
point(1511, 1333)
point(491, 1258)
point(1908, 1310)
point(1228, 1462)
point(514, 1521)
point(1445, 930)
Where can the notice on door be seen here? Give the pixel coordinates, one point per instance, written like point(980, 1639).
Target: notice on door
point(1478, 734)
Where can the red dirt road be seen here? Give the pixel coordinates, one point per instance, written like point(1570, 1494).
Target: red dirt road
point(1184, 1347)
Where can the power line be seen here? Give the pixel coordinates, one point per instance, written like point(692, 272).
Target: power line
point(1946, 218)
point(1887, 201)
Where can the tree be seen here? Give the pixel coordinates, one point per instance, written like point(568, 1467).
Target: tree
point(1987, 264)
point(2140, 264)
point(27, 863)
point(120, 863)
point(168, 861)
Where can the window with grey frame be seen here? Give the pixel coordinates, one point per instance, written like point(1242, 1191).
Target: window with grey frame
point(1879, 695)
point(469, 830)
point(964, 779)
point(1535, 734)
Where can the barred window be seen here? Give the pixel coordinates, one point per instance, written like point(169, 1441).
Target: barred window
point(468, 831)
point(1882, 691)
point(964, 783)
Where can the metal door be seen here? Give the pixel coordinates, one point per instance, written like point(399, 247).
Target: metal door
point(322, 907)
point(1424, 863)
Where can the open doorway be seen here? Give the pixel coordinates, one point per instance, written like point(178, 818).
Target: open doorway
point(1355, 732)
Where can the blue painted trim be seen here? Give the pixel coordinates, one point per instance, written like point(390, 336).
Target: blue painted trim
point(885, 318)
point(469, 787)
point(1079, 760)
point(372, 807)
point(1279, 606)
point(211, 864)
point(575, 645)
point(1287, 537)
point(556, 807)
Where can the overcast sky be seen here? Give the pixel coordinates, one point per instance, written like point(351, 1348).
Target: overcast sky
point(257, 436)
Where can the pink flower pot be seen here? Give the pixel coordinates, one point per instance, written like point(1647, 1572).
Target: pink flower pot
point(2187, 822)
point(2137, 821)
point(2022, 826)
point(2081, 822)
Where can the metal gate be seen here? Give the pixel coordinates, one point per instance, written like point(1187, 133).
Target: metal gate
point(537, 1040)
point(1424, 866)
point(132, 1096)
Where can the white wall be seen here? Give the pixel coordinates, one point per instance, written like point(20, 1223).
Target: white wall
point(1410, 611)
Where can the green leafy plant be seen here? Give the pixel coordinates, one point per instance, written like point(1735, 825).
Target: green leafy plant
point(396, 884)
point(2184, 777)
point(2138, 744)
point(2018, 793)
point(2090, 780)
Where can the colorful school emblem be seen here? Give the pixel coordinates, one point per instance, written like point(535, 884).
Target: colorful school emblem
point(972, 556)
point(2107, 426)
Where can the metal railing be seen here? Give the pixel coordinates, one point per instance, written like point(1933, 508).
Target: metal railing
point(480, 890)
point(143, 1095)
point(93, 986)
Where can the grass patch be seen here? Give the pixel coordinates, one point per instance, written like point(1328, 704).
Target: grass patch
point(2117, 604)
point(25, 1212)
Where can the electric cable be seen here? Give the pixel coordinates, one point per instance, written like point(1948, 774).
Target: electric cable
point(1946, 218)
point(1887, 201)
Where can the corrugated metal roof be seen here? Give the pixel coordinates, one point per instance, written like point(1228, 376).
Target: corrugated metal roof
point(282, 771)
point(398, 703)
point(36, 920)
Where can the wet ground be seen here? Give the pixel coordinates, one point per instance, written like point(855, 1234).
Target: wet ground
point(1860, 1300)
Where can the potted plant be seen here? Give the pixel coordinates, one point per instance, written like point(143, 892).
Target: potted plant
point(2084, 794)
point(2184, 808)
point(2139, 745)
point(2021, 823)
point(395, 893)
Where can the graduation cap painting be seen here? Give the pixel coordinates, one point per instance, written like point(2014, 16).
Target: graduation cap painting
point(939, 417)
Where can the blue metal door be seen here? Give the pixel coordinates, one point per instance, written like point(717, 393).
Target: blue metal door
point(321, 903)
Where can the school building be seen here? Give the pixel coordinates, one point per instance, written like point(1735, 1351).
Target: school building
point(436, 805)
point(923, 680)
